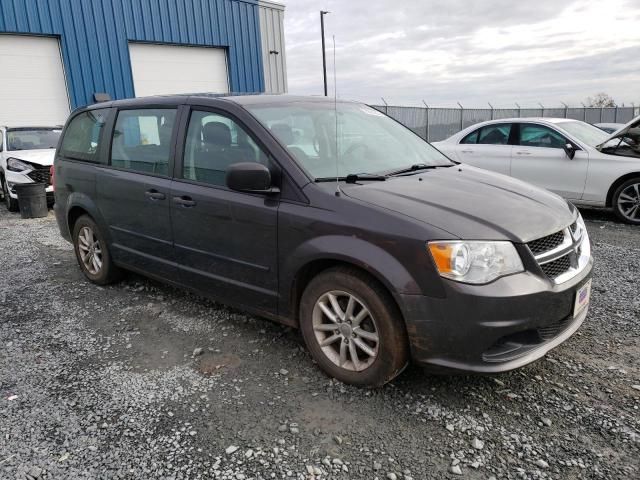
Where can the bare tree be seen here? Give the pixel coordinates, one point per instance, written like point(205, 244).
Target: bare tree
point(601, 100)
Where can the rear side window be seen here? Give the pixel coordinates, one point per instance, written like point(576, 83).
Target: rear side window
point(495, 134)
point(142, 140)
point(82, 136)
point(540, 136)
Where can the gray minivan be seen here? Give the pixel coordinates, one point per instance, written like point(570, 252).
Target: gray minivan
point(330, 217)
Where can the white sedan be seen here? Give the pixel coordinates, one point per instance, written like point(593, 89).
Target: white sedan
point(571, 158)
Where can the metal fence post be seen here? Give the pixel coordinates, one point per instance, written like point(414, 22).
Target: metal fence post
point(542, 108)
point(566, 109)
point(519, 110)
point(461, 117)
point(492, 114)
point(386, 106)
point(601, 111)
point(584, 112)
point(616, 115)
point(427, 126)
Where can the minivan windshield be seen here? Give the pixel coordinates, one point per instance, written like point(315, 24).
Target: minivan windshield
point(367, 141)
point(33, 139)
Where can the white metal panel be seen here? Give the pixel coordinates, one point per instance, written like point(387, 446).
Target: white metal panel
point(169, 69)
point(33, 89)
point(273, 48)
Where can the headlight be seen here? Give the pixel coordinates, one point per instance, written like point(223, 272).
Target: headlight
point(475, 262)
point(15, 165)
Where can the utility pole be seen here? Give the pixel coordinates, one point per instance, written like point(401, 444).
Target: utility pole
point(324, 54)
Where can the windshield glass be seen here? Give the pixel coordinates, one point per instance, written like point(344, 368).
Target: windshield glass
point(33, 139)
point(367, 141)
point(584, 132)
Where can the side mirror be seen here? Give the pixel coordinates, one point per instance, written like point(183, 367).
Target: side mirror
point(570, 150)
point(249, 177)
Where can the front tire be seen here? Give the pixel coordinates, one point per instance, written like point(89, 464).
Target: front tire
point(11, 203)
point(353, 328)
point(626, 201)
point(92, 252)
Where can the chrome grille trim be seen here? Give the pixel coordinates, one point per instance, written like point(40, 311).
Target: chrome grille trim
point(575, 247)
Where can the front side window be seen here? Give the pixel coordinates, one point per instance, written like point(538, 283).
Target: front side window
point(330, 140)
point(540, 136)
point(142, 140)
point(33, 138)
point(495, 134)
point(213, 143)
point(82, 136)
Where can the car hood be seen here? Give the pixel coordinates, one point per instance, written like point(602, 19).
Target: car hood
point(624, 131)
point(40, 157)
point(471, 203)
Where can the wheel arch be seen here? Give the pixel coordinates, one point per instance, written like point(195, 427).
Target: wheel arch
point(617, 183)
point(321, 253)
point(313, 268)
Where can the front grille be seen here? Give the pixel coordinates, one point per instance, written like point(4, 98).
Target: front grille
point(557, 267)
point(41, 175)
point(547, 243)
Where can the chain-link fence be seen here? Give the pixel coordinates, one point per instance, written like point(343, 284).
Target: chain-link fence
point(435, 124)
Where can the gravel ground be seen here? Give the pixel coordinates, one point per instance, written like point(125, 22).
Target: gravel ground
point(140, 380)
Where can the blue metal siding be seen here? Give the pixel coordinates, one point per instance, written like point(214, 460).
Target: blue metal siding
point(95, 35)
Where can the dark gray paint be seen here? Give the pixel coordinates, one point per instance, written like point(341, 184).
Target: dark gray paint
point(251, 250)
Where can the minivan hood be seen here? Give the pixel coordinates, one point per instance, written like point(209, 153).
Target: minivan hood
point(470, 203)
point(41, 157)
point(635, 123)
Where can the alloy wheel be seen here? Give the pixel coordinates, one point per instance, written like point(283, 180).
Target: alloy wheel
point(629, 202)
point(90, 250)
point(345, 330)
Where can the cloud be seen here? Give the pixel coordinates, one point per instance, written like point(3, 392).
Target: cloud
point(474, 52)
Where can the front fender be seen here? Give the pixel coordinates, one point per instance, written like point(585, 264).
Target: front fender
point(368, 256)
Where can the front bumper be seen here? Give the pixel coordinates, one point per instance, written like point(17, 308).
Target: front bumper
point(14, 178)
point(492, 328)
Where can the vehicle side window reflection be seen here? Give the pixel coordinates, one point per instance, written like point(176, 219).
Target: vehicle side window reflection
point(495, 134)
point(213, 143)
point(540, 136)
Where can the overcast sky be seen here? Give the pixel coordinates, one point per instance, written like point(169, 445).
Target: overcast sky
point(471, 51)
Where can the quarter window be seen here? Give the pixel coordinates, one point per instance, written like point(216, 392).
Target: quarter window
point(471, 138)
point(142, 140)
point(83, 135)
point(495, 134)
point(540, 136)
point(213, 143)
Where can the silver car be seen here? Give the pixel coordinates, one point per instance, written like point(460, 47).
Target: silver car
point(571, 158)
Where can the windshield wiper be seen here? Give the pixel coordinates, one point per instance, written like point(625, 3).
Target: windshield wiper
point(415, 168)
point(354, 177)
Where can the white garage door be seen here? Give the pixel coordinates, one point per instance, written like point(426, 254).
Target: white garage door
point(33, 90)
point(167, 69)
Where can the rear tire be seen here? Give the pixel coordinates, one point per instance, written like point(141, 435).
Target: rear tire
point(345, 314)
point(11, 203)
point(626, 201)
point(92, 252)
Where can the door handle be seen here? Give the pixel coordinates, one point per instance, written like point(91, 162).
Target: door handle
point(154, 195)
point(466, 151)
point(523, 153)
point(184, 201)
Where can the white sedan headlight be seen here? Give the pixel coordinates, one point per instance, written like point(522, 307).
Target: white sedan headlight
point(15, 165)
point(475, 262)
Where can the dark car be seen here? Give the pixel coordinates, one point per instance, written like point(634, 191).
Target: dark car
point(329, 217)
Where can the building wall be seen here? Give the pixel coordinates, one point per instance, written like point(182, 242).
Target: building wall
point(94, 37)
point(273, 50)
